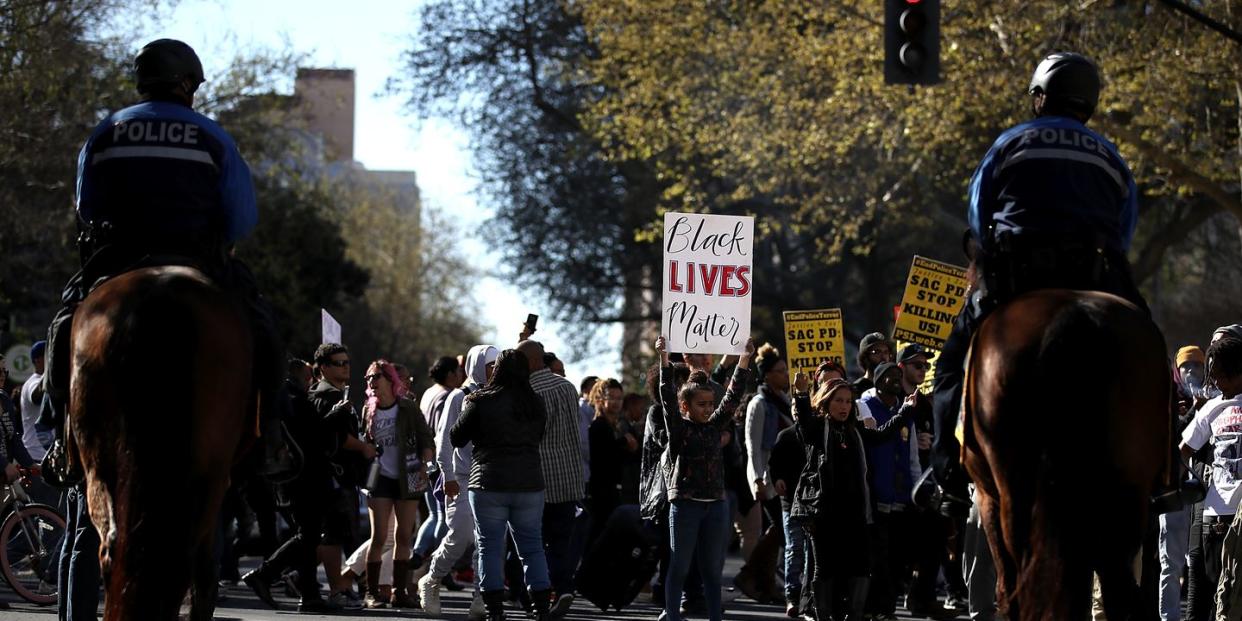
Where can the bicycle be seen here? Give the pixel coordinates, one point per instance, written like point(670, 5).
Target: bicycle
point(30, 540)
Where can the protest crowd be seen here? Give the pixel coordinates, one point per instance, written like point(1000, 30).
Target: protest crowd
point(541, 495)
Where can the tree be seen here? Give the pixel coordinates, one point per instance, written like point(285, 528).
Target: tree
point(566, 219)
point(741, 100)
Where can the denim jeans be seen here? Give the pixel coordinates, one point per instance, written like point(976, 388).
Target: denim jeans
point(459, 520)
point(78, 596)
point(696, 531)
point(795, 558)
point(1174, 540)
point(495, 513)
point(432, 530)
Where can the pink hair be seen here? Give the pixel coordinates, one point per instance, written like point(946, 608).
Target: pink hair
point(398, 390)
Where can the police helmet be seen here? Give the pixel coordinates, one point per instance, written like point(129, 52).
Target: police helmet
point(166, 63)
point(1068, 80)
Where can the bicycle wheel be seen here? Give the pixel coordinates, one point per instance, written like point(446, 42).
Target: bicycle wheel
point(30, 541)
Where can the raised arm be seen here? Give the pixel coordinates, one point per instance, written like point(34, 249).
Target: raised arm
point(737, 386)
point(668, 396)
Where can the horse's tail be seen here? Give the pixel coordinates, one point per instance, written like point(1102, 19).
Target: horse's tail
point(1073, 364)
point(160, 379)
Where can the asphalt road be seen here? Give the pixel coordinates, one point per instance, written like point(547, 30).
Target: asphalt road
point(239, 603)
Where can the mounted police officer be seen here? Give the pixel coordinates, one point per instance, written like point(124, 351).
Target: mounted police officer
point(1052, 205)
point(159, 183)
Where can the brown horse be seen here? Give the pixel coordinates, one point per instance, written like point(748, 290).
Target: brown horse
point(1066, 430)
point(160, 407)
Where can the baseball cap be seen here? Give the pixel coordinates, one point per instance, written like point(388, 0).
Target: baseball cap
point(872, 339)
point(911, 350)
point(884, 367)
point(37, 350)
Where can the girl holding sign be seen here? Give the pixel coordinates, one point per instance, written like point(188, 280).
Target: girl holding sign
point(699, 513)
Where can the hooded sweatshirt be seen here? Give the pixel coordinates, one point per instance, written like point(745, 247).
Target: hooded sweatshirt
point(455, 462)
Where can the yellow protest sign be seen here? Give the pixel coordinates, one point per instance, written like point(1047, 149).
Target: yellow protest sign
point(813, 336)
point(934, 294)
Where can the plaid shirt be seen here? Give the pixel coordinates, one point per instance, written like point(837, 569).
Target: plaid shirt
point(559, 451)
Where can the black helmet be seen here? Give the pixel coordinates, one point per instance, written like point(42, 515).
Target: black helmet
point(166, 62)
point(1069, 80)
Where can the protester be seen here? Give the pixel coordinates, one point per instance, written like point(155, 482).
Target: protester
point(874, 349)
point(653, 486)
point(36, 437)
point(632, 422)
point(505, 421)
point(832, 500)
point(892, 467)
point(455, 465)
point(446, 375)
point(766, 415)
point(608, 450)
point(562, 473)
point(698, 515)
point(348, 462)
point(786, 462)
point(404, 444)
point(1219, 423)
point(304, 496)
point(1174, 534)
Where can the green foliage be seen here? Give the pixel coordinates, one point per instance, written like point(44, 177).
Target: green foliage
point(778, 109)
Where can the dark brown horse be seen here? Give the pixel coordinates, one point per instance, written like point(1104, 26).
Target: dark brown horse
point(1066, 429)
point(160, 407)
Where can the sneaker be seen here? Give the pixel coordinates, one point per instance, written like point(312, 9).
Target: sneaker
point(347, 600)
point(372, 602)
point(478, 610)
point(561, 606)
point(955, 603)
point(429, 593)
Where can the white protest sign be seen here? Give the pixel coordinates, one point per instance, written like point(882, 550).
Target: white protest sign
point(331, 328)
point(707, 282)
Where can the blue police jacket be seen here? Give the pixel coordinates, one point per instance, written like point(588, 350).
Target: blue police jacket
point(1053, 176)
point(159, 168)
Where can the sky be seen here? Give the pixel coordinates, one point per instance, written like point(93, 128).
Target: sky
point(368, 36)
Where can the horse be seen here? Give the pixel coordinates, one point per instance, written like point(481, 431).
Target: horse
point(160, 407)
point(1066, 429)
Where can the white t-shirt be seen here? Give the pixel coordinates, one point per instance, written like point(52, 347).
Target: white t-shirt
point(35, 441)
point(429, 395)
point(1220, 421)
point(384, 430)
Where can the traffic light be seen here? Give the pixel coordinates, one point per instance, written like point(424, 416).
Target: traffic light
point(911, 41)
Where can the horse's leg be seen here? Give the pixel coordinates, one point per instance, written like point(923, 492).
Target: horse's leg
point(203, 589)
point(1006, 568)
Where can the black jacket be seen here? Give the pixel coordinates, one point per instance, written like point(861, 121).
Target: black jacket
point(786, 461)
point(338, 423)
point(506, 447)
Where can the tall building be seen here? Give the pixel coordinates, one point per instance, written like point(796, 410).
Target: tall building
point(326, 99)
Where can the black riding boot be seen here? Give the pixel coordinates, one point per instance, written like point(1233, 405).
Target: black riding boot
point(946, 410)
point(495, 602)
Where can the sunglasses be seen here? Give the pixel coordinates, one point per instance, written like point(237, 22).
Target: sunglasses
point(921, 366)
point(337, 363)
point(374, 377)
